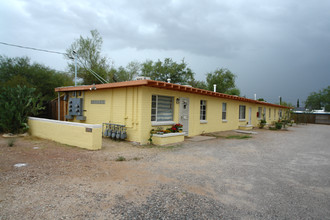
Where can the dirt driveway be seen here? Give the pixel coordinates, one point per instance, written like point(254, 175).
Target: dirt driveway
point(274, 174)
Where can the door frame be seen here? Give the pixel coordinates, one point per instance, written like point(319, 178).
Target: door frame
point(184, 128)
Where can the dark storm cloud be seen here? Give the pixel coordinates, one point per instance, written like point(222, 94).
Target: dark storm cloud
point(275, 47)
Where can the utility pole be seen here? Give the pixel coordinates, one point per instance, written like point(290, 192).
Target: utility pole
point(75, 67)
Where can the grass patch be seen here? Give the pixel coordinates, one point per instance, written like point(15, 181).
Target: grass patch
point(212, 135)
point(120, 158)
point(167, 147)
point(171, 146)
point(238, 137)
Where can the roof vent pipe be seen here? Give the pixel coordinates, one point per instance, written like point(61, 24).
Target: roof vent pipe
point(255, 96)
point(169, 80)
point(214, 87)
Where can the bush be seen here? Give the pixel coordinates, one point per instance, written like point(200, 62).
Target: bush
point(16, 104)
point(121, 158)
point(278, 125)
point(262, 124)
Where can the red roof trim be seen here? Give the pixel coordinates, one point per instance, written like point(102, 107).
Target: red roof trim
point(164, 85)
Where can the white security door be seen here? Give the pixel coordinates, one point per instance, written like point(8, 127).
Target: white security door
point(184, 114)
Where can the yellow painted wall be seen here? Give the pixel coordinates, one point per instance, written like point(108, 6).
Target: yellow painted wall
point(269, 118)
point(121, 107)
point(67, 132)
point(213, 112)
point(131, 106)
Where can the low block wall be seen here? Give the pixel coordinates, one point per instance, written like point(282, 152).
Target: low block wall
point(165, 139)
point(86, 136)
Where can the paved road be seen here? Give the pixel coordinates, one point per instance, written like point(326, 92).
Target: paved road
point(275, 175)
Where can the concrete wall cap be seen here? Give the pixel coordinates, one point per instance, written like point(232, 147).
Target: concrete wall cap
point(67, 122)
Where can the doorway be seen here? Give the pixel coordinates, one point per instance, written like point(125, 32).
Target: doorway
point(184, 115)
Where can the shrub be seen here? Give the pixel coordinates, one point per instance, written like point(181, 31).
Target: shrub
point(120, 158)
point(16, 104)
point(278, 125)
point(262, 123)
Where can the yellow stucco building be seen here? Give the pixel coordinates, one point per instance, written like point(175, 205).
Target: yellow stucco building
point(143, 105)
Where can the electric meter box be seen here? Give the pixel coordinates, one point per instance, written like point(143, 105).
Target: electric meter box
point(75, 106)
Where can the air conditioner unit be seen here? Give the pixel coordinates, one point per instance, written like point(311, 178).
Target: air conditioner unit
point(142, 78)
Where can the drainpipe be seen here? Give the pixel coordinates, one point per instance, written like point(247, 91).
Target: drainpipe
point(58, 107)
point(214, 87)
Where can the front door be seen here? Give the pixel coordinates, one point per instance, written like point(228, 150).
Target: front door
point(184, 114)
point(250, 113)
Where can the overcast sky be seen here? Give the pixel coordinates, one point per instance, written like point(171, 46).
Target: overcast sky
point(276, 48)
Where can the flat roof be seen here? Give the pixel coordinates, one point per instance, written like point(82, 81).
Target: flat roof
point(163, 85)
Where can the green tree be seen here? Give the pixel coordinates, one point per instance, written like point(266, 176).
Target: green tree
point(225, 81)
point(16, 104)
point(234, 91)
point(133, 68)
point(198, 84)
point(89, 57)
point(283, 103)
point(127, 73)
point(168, 69)
point(20, 71)
point(316, 100)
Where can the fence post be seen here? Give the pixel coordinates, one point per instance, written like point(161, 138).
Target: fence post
point(58, 107)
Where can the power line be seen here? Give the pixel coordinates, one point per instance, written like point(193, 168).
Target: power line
point(32, 48)
point(56, 52)
point(97, 76)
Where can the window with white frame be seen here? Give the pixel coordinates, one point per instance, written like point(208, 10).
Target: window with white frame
point(274, 113)
point(242, 109)
point(203, 110)
point(161, 108)
point(280, 113)
point(270, 112)
point(264, 114)
point(224, 111)
point(259, 112)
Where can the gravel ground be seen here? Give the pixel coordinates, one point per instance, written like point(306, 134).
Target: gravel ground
point(273, 175)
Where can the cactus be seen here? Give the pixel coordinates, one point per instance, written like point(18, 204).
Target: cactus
point(16, 104)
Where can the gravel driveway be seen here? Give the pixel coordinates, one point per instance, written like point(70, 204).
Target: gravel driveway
point(273, 175)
